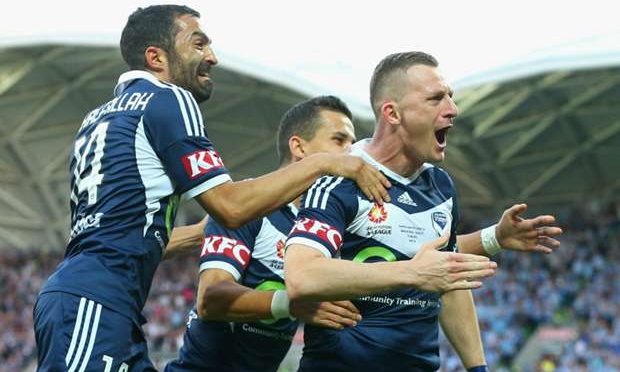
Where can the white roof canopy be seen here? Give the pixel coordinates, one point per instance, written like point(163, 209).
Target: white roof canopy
point(537, 123)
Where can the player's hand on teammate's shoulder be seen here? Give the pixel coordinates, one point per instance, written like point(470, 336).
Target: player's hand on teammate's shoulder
point(527, 234)
point(330, 314)
point(371, 181)
point(438, 271)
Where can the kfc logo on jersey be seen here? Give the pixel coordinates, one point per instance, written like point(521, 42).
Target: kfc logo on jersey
point(228, 247)
point(377, 214)
point(321, 230)
point(201, 162)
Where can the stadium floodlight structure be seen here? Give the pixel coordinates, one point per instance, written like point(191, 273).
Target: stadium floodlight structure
point(45, 91)
point(544, 130)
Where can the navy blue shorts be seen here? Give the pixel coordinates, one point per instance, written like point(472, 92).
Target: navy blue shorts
point(76, 334)
point(205, 347)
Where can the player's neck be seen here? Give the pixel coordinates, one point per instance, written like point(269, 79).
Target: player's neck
point(297, 201)
point(390, 153)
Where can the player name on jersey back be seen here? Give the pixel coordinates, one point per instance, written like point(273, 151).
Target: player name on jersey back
point(124, 102)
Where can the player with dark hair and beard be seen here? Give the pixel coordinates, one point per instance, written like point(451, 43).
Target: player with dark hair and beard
point(134, 158)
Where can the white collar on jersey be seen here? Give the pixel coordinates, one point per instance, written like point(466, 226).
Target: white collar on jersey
point(127, 77)
point(358, 150)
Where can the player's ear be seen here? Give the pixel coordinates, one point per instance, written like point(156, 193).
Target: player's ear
point(156, 59)
point(296, 147)
point(389, 112)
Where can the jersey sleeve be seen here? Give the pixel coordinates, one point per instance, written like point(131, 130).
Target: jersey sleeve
point(326, 208)
point(229, 250)
point(175, 127)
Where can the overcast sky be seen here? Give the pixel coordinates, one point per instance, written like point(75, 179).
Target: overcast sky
point(331, 46)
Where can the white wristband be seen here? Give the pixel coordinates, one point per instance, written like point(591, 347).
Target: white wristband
point(280, 304)
point(489, 240)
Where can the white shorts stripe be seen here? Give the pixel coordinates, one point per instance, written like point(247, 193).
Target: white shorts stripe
point(91, 341)
point(83, 336)
point(76, 330)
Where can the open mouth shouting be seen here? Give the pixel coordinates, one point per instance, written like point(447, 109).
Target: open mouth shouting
point(441, 135)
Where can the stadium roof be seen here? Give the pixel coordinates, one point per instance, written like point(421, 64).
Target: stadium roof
point(543, 128)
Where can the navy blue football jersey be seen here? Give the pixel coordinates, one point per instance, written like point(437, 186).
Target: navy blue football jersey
point(398, 330)
point(133, 159)
point(254, 256)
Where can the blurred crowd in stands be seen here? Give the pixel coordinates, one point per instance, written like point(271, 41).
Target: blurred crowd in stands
point(578, 286)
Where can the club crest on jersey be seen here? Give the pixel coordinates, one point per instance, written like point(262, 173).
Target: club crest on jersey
point(228, 247)
point(440, 221)
point(321, 230)
point(201, 162)
point(377, 214)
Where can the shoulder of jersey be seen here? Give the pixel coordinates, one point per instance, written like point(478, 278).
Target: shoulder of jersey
point(439, 173)
point(166, 89)
point(336, 182)
point(339, 187)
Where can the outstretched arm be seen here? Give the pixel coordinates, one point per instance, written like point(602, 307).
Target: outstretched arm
point(221, 298)
point(310, 275)
point(235, 203)
point(513, 232)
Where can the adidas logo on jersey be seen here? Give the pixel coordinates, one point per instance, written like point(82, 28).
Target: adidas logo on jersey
point(406, 199)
